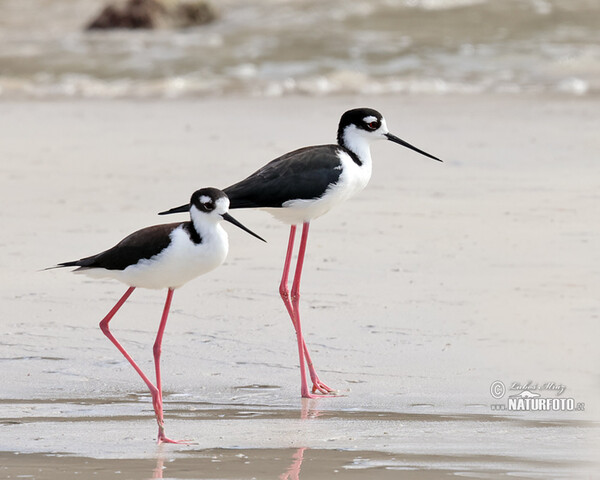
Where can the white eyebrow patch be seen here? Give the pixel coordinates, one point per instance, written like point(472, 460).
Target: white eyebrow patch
point(370, 119)
point(205, 199)
point(222, 203)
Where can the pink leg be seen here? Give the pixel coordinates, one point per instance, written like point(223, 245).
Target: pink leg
point(285, 296)
point(156, 399)
point(295, 314)
point(157, 350)
point(283, 286)
point(107, 332)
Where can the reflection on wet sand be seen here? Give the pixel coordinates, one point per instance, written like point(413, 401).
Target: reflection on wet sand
point(158, 470)
point(291, 473)
point(316, 464)
point(309, 409)
point(291, 443)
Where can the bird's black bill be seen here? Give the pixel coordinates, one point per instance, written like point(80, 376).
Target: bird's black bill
point(182, 209)
point(399, 141)
point(230, 219)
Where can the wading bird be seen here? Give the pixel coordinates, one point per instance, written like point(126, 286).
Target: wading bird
point(303, 185)
point(164, 256)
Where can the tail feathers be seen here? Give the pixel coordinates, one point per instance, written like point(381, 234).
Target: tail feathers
point(83, 263)
point(61, 265)
point(75, 263)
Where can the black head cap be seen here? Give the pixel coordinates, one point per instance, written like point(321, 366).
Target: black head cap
point(205, 199)
point(357, 117)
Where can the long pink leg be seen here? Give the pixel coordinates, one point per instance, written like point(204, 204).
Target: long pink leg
point(156, 400)
point(317, 384)
point(295, 300)
point(285, 296)
point(157, 350)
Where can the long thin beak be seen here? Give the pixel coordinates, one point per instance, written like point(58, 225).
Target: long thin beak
point(182, 209)
point(230, 219)
point(395, 139)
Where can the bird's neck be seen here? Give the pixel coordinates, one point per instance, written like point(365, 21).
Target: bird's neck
point(207, 228)
point(357, 144)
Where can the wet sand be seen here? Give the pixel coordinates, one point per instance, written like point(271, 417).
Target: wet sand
point(418, 294)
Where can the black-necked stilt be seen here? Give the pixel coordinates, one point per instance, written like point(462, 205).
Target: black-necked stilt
point(303, 185)
point(164, 256)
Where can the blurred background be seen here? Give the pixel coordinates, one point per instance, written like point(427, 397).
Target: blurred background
point(314, 47)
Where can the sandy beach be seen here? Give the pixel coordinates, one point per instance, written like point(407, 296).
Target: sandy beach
point(418, 294)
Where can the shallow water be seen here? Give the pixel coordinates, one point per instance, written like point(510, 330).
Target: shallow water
point(270, 48)
point(264, 442)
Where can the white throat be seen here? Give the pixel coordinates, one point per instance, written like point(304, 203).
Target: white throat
point(206, 225)
point(355, 141)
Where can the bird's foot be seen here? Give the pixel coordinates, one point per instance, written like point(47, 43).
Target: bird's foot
point(177, 442)
point(319, 390)
point(307, 394)
point(319, 386)
point(162, 438)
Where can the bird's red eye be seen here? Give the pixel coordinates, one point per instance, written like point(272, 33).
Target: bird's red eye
point(372, 125)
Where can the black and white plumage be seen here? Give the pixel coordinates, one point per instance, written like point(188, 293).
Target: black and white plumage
point(303, 185)
point(164, 256)
point(169, 255)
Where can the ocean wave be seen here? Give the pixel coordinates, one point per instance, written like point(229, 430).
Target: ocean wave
point(338, 83)
point(308, 47)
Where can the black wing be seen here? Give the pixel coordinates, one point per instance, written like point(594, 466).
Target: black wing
point(144, 243)
point(302, 174)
